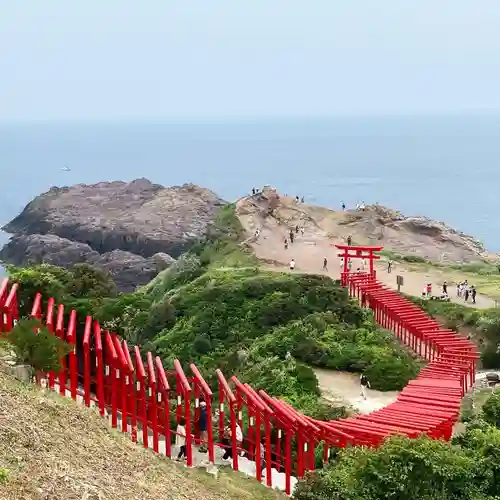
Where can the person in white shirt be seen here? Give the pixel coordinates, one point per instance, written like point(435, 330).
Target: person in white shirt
point(180, 439)
point(292, 265)
point(239, 440)
point(364, 382)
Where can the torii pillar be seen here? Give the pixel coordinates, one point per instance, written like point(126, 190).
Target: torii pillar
point(348, 252)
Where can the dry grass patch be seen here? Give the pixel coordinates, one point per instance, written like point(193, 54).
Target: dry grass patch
point(50, 448)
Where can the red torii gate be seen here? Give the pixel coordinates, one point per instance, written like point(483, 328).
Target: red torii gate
point(348, 252)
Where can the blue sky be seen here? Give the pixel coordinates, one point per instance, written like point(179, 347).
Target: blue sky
point(123, 59)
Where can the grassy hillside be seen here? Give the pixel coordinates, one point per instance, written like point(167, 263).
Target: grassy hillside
point(52, 448)
point(216, 308)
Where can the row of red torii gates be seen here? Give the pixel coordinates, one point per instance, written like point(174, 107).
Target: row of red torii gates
point(147, 401)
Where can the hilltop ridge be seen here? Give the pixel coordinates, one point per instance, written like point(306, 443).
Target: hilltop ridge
point(374, 225)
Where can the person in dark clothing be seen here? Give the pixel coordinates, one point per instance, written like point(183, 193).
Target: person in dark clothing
point(349, 240)
point(286, 243)
point(297, 229)
point(203, 426)
point(343, 206)
point(291, 236)
point(473, 294)
point(325, 264)
point(445, 288)
point(389, 266)
point(253, 190)
point(466, 296)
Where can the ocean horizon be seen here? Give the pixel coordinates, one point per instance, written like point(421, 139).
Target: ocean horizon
point(445, 168)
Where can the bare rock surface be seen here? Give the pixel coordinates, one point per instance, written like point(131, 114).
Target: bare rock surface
point(375, 225)
point(127, 269)
point(132, 230)
point(138, 217)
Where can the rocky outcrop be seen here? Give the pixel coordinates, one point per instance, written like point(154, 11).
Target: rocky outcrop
point(131, 229)
point(127, 269)
point(376, 225)
point(138, 217)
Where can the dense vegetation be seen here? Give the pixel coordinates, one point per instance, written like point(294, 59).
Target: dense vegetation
point(483, 325)
point(406, 469)
point(214, 307)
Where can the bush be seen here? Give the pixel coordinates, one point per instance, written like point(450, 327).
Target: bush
point(401, 468)
point(36, 346)
point(491, 409)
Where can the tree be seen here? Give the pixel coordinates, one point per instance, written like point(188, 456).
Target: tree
point(36, 346)
point(88, 281)
point(49, 280)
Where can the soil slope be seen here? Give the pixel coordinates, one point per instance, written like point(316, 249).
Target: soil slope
point(50, 448)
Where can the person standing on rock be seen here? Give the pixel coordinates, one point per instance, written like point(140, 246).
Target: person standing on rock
point(343, 206)
point(364, 383)
point(325, 265)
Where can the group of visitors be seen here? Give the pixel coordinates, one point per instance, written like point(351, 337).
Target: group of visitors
point(466, 291)
point(292, 234)
point(180, 436)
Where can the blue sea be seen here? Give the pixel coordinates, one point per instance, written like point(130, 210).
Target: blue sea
point(447, 168)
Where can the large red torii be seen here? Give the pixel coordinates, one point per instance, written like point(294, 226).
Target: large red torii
point(348, 252)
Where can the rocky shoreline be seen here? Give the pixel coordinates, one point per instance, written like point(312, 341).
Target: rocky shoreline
point(135, 230)
point(132, 230)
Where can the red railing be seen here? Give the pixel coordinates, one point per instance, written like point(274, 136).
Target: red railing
point(148, 401)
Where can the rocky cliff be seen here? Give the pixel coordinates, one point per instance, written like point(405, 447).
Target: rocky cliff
point(133, 229)
point(274, 215)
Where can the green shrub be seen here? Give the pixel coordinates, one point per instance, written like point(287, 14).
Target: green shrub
point(401, 468)
point(35, 345)
point(491, 409)
point(4, 476)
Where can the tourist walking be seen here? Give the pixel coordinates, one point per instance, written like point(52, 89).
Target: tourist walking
point(325, 265)
point(389, 266)
point(292, 265)
point(466, 295)
point(473, 294)
point(180, 439)
point(364, 383)
point(286, 244)
point(349, 241)
point(239, 440)
point(203, 427)
point(291, 236)
point(445, 288)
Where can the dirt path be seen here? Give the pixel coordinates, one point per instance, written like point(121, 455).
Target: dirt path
point(309, 250)
point(344, 387)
